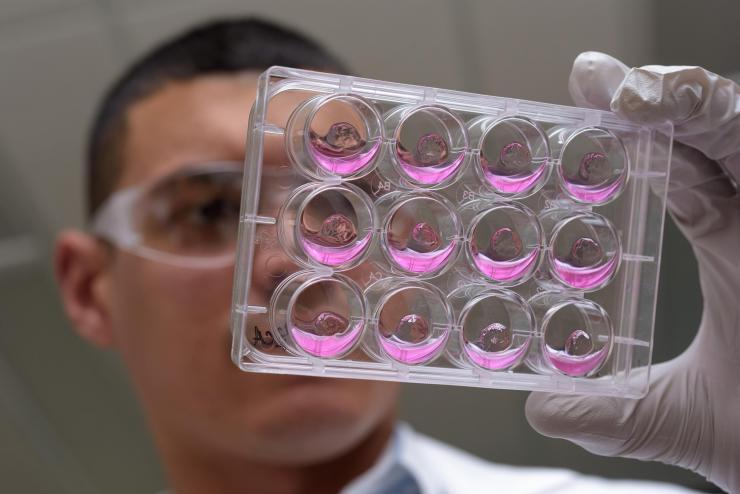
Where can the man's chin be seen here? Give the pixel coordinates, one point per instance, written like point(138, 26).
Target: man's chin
point(313, 420)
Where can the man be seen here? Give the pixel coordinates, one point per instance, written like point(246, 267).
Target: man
point(162, 152)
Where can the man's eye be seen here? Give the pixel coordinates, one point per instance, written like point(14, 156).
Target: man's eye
point(208, 212)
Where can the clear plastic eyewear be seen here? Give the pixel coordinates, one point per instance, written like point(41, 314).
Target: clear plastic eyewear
point(189, 218)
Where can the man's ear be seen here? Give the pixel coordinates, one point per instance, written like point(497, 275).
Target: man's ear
point(80, 267)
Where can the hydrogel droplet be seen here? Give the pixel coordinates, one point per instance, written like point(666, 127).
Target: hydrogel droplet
point(329, 323)
point(594, 168)
point(505, 245)
point(513, 170)
point(421, 250)
point(431, 149)
point(342, 139)
point(328, 335)
point(412, 328)
point(494, 338)
point(428, 160)
point(578, 343)
point(423, 238)
point(513, 158)
point(336, 231)
point(585, 252)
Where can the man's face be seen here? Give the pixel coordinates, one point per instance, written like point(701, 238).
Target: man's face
point(171, 324)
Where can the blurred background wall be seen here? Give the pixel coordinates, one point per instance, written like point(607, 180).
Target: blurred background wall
point(68, 421)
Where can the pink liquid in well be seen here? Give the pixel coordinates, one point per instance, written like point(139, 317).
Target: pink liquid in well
point(505, 270)
point(429, 174)
point(584, 277)
point(421, 262)
point(513, 184)
point(591, 194)
point(412, 353)
point(576, 365)
point(334, 256)
point(327, 346)
point(344, 165)
point(495, 360)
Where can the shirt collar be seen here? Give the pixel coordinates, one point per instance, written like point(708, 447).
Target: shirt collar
point(391, 474)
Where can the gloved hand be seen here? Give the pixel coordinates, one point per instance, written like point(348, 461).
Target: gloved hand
point(691, 415)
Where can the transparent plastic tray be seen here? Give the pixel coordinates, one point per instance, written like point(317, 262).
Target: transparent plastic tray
point(408, 233)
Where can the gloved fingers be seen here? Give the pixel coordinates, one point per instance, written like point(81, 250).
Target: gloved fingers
point(700, 191)
point(655, 94)
point(704, 107)
point(671, 424)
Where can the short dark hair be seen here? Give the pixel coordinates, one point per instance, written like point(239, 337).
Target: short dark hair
point(217, 47)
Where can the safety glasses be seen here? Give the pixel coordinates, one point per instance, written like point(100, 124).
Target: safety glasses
point(189, 218)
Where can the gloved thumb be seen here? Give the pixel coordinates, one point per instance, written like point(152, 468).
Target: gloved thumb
point(594, 79)
point(666, 425)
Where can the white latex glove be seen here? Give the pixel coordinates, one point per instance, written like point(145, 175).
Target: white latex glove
point(691, 415)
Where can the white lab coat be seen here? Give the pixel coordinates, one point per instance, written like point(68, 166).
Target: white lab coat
point(432, 467)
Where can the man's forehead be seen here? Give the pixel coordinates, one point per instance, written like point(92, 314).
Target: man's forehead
point(185, 122)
